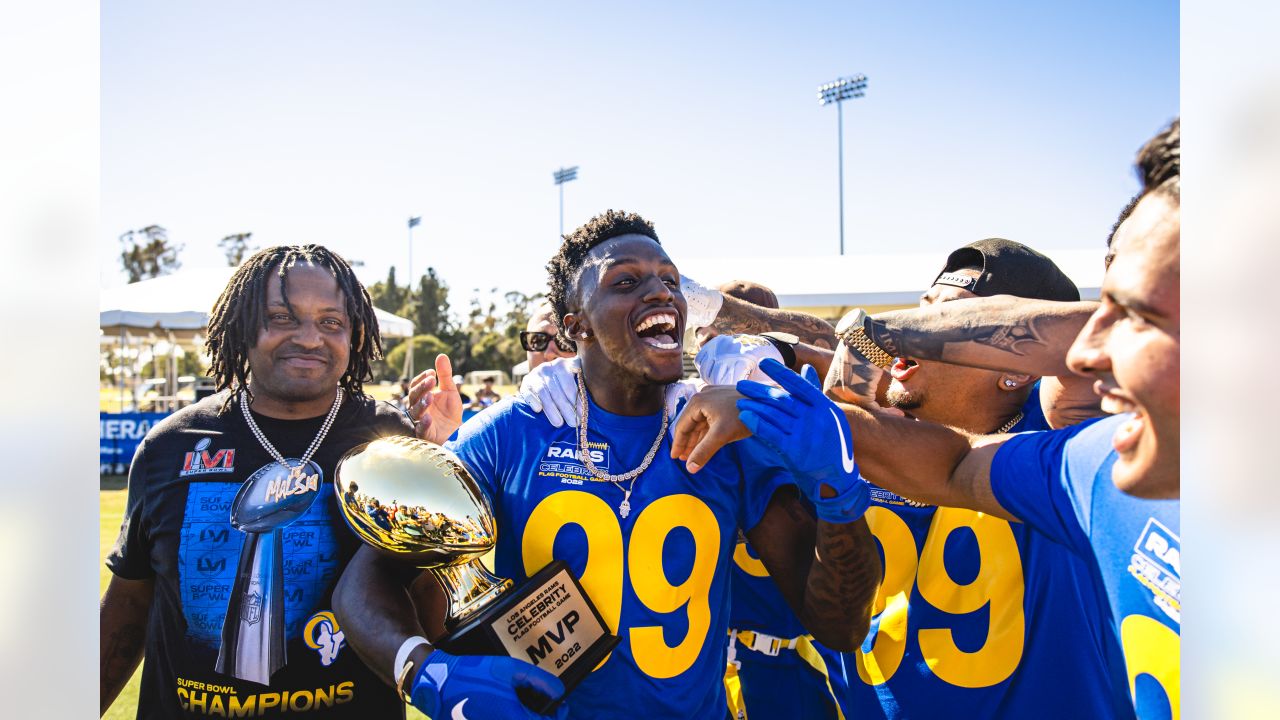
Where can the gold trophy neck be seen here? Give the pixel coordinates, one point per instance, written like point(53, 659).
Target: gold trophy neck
point(469, 588)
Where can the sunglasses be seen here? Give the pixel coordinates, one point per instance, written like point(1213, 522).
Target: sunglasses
point(533, 341)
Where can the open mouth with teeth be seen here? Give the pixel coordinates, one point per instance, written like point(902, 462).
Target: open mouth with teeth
point(1129, 434)
point(658, 331)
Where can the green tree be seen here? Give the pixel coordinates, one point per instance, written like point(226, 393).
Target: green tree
point(147, 253)
point(236, 247)
point(425, 349)
point(430, 306)
point(488, 339)
point(491, 338)
point(387, 295)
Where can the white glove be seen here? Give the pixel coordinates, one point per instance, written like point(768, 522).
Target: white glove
point(678, 391)
point(726, 359)
point(552, 390)
point(703, 303)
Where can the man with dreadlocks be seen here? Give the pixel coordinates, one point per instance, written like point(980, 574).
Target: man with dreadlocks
point(291, 340)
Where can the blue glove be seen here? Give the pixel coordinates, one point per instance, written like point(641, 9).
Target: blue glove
point(482, 687)
point(811, 436)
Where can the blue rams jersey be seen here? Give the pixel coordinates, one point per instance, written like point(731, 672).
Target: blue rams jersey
point(982, 614)
point(1059, 484)
point(757, 603)
point(659, 577)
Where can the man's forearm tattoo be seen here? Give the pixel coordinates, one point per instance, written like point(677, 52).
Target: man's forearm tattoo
point(850, 380)
point(845, 578)
point(931, 344)
point(735, 320)
point(120, 656)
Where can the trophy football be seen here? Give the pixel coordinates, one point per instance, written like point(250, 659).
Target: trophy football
point(415, 501)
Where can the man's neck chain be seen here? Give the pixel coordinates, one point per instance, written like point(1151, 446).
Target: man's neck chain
point(624, 508)
point(294, 472)
point(1009, 425)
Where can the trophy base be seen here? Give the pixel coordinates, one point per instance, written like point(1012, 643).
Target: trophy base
point(547, 621)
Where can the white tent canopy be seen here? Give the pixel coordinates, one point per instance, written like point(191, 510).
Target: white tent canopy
point(830, 285)
point(824, 285)
point(182, 301)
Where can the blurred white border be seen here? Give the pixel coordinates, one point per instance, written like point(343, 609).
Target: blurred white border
point(48, 511)
point(48, 490)
point(1231, 513)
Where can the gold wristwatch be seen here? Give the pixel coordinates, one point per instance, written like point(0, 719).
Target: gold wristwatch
point(852, 332)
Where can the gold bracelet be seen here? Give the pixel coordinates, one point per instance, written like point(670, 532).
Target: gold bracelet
point(855, 337)
point(408, 665)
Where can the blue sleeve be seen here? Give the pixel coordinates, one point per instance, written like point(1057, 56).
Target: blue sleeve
point(1045, 480)
point(1033, 412)
point(761, 474)
point(477, 443)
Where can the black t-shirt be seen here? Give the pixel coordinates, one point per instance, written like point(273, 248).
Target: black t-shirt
point(177, 530)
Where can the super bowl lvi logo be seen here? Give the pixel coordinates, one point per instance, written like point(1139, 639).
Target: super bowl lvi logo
point(323, 634)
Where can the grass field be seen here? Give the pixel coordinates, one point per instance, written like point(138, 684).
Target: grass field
point(111, 510)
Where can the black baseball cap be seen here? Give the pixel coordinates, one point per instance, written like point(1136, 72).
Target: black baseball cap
point(1007, 268)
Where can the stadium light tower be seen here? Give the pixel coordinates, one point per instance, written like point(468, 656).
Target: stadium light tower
point(414, 221)
point(562, 176)
point(837, 92)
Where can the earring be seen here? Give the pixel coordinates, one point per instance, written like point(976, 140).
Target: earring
point(1010, 384)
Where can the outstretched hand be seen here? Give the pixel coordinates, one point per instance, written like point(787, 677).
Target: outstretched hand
point(811, 436)
point(435, 406)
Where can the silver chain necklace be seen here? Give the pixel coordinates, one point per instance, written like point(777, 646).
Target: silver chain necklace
point(624, 508)
point(294, 472)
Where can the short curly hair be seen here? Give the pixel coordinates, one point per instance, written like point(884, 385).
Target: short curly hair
point(1159, 163)
point(1159, 169)
point(563, 270)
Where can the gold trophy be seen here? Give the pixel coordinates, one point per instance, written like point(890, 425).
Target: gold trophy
point(415, 501)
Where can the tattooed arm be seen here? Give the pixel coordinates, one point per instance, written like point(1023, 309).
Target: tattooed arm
point(122, 626)
point(851, 378)
point(739, 316)
point(916, 459)
point(998, 333)
point(828, 572)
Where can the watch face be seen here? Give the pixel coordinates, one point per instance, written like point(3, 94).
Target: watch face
point(852, 319)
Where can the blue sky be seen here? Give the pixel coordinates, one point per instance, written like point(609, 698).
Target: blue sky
point(333, 122)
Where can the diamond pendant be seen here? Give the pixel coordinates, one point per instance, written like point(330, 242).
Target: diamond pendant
point(624, 508)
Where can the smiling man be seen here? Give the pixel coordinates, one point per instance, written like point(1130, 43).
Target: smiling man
point(1107, 489)
point(652, 544)
point(291, 341)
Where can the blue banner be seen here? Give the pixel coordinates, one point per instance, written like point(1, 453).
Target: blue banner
point(118, 438)
point(120, 433)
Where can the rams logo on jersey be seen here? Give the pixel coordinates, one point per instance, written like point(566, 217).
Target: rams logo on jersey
point(563, 460)
point(1157, 564)
point(323, 634)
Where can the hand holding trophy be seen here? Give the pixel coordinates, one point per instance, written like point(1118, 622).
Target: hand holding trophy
point(416, 502)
